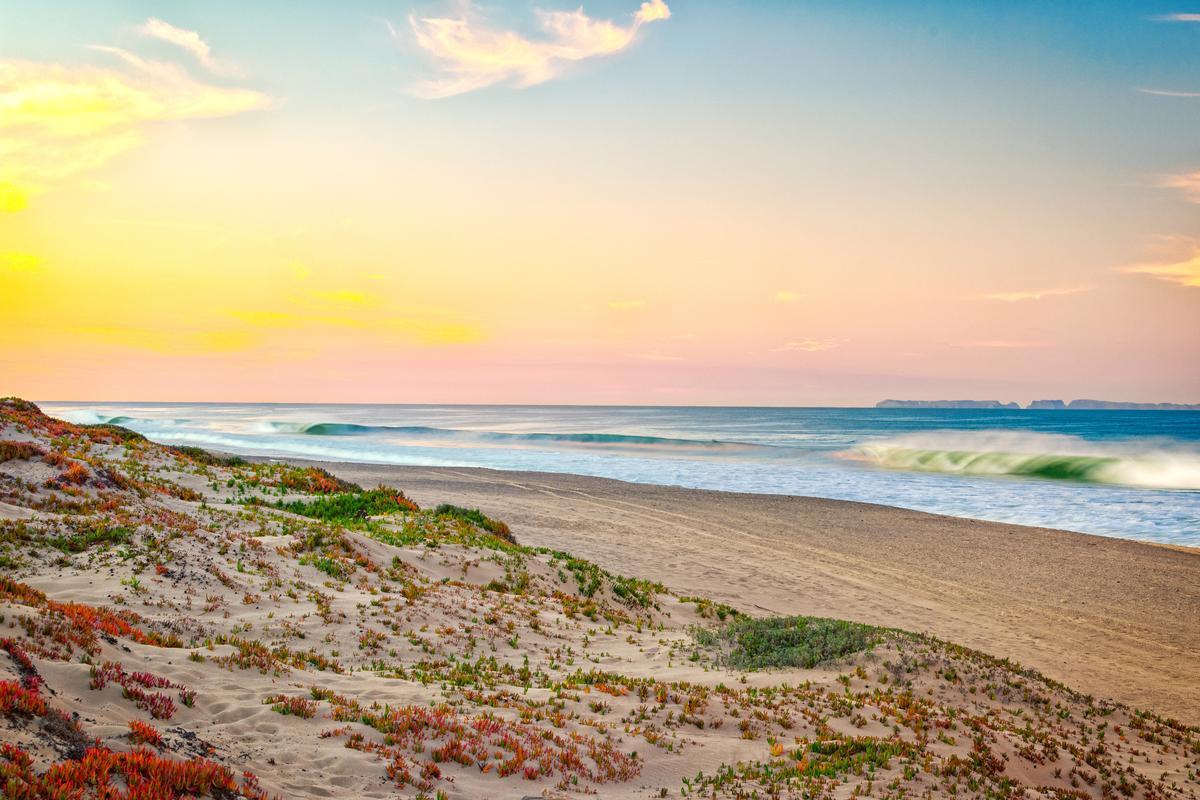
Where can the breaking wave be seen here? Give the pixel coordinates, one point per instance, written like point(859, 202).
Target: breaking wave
point(88, 417)
point(476, 437)
point(1145, 464)
point(450, 437)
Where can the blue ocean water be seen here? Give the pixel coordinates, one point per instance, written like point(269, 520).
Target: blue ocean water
point(1133, 474)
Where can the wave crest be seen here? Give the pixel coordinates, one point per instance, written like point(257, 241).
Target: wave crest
point(1139, 464)
point(514, 439)
point(448, 437)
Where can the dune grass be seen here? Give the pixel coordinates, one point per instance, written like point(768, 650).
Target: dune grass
point(478, 518)
point(350, 507)
point(99, 536)
point(202, 456)
point(19, 451)
point(775, 642)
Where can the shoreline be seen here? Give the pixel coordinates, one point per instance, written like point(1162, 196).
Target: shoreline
point(278, 457)
point(1108, 616)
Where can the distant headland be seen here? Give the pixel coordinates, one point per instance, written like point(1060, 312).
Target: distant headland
point(1042, 405)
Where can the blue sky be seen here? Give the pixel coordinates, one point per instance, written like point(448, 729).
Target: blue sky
point(638, 211)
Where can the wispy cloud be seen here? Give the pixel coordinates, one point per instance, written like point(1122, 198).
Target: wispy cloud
point(1187, 182)
point(471, 54)
point(655, 355)
point(1178, 18)
point(1168, 93)
point(173, 343)
point(344, 297)
point(421, 330)
point(166, 224)
point(807, 345)
point(1035, 294)
point(1000, 344)
point(57, 122)
point(1183, 273)
point(189, 41)
point(311, 307)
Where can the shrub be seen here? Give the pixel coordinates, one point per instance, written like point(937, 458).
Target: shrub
point(590, 578)
point(788, 641)
point(314, 480)
point(17, 699)
point(144, 733)
point(477, 518)
point(76, 474)
point(348, 507)
point(115, 431)
point(202, 456)
point(85, 540)
point(18, 451)
point(293, 706)
point(104, 773)
point(134, 685)
point(710, 609)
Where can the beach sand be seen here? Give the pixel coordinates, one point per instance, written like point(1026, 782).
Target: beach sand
point(1112, 617)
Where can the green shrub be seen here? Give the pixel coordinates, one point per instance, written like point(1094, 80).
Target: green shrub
point(202, 456)
point(349, 507)
point(788, 641)
point(590, 578)
point(477, 518)
point(85, 540)
point(710, 609)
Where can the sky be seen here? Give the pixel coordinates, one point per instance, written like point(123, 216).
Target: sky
point(674, 202)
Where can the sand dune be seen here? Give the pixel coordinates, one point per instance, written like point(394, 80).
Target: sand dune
point(183, 625)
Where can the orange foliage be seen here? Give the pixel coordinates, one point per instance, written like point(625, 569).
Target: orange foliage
point(141, 775)
point(16, 699)
point(144, 733)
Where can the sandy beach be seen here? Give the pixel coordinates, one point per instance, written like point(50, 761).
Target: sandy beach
point(1112, 617)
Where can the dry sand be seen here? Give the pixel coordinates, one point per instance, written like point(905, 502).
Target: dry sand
point(1112, 617)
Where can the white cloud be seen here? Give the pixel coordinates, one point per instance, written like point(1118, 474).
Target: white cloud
point(471, 54)
point(1168, 93)
point(57, 122)
point(189, 41)
point(1187, 182)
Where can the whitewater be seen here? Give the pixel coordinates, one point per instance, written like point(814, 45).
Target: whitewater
point(1133, 474)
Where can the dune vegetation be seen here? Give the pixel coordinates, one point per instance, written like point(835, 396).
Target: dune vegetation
point(175, 623)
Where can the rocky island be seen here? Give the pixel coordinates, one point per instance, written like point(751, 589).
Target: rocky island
point(1042, 405)
point(944, 404)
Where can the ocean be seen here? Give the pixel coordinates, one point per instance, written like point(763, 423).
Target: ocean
point(1132, 474)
